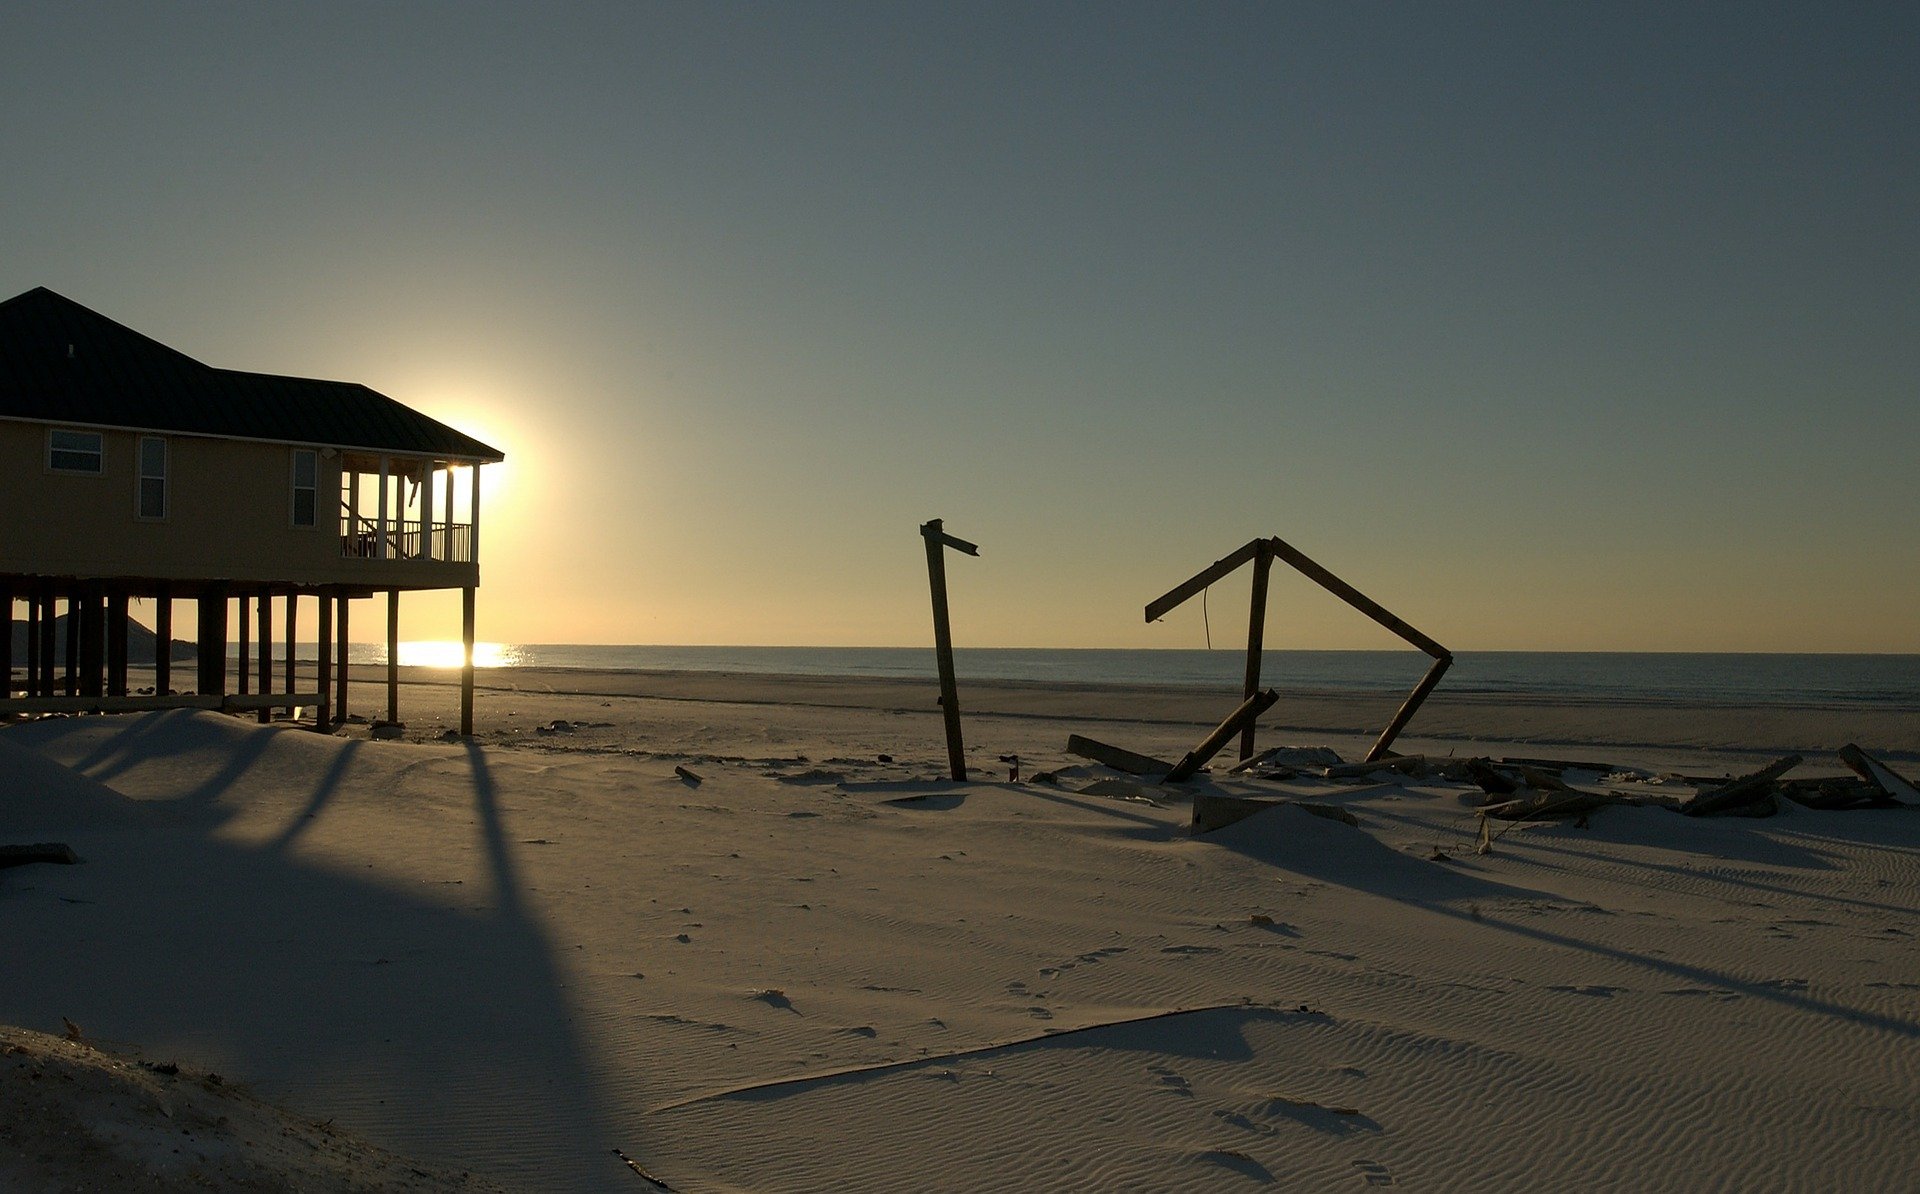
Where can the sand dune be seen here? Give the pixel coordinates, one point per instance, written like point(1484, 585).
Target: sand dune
point(810, 969)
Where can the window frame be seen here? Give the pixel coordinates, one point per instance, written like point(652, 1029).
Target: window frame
point(295, 488)
point(99, 452)
point(141, 477)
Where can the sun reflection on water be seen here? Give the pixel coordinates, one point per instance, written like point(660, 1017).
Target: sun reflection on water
point(447, 653)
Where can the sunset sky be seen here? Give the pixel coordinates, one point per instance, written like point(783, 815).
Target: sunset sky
point(1550, 326)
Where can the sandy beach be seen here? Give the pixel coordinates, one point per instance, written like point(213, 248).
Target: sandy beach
point(812, 962)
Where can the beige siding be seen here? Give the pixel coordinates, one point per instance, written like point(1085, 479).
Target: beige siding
point(229, 517)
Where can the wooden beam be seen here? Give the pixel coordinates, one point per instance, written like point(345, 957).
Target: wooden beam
point(1409, 706)
point(1159, 606)
point(1354, 597)
point(937, 541)
point(466, 656)
point(1210, 746)
point(1115, 757)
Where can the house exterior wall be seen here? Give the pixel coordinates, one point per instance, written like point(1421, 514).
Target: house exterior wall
point(229, 517)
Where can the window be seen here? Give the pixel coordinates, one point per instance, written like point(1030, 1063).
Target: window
point(153, 477)
point(306, 487)
point(75, 452)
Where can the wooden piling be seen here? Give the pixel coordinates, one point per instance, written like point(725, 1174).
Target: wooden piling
point(117, 622)
point(323, 651)
point(243, 671)
point(937, 541)
point(213, 642)
point(393, 655)
point(293, 620)
point(1256, 633)
point(163, 640)
point(466, 658)
point(345, 604)
point(266, 653)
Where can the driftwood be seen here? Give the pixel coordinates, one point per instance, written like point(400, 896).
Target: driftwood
point(1115, 757)
point(1405, 764)
point(1236, 721)
point(1895, 787)
point(1748, 789)
point(58, 852)
point(687, 774)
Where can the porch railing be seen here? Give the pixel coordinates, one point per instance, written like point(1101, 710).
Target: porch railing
point(406, 539)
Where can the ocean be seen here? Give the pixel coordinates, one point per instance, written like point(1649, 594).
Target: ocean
point(1880, 680)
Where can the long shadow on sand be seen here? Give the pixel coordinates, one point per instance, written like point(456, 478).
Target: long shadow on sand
point(431, 1023)
point(1341, 855)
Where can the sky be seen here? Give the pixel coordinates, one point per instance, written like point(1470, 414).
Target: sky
point(1551, 327)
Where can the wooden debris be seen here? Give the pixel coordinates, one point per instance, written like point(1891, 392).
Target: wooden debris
point(1236, 721)
point(1116, 757)
point(644, 1176)
point(1489, 780)
point(1405, 764)
point(1538, 805)
point(56, 852)
point(1896, 788)
point(692, 780)
point(937, 541)
point(1748, 789)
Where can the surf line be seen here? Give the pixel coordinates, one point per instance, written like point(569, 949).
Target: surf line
point(862, 1071)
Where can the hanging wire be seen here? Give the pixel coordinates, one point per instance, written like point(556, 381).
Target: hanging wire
point(1204, 620)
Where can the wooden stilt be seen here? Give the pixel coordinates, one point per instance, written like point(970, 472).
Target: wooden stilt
point(1409, 706)
point(48, 637)
point(340, 696)
point(266, 652)
point(72, 673)
point(163, 640)
point(937, 541)
point(393, 654)
point(93, 641)
point(1256, 634)
point(33, 641)
point(466, 659)
point(323, 647)
point(244, 672)
point(6, 647)
point(117, 623)
point(213, 643)
point(293, 618)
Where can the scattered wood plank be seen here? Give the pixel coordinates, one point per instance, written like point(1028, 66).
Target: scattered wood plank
point(1748, 789)
point(55, 852)
point(1405, 764)
point(1897, 789)
point(1236, 721)
point(1540, 805)
point(687, 774)
point(1116, 757)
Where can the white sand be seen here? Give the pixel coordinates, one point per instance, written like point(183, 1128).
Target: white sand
point(517, 956)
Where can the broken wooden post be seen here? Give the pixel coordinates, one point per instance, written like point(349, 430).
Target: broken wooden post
point(1748, 789)
point(1236, 721)
point(937, 541)
point(1261, 552)
point(1890, 783)
point(1115, 757)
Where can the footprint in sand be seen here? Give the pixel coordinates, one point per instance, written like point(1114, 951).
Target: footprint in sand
point(1375, 1173)
point(1172, 1081)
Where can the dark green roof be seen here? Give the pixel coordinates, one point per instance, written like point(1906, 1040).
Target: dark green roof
point(62, 363)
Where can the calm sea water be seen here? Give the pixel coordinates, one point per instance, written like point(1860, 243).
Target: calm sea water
point(1886, 680)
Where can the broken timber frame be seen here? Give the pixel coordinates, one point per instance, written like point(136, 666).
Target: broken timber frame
point(938, 541)
point(1261, 553)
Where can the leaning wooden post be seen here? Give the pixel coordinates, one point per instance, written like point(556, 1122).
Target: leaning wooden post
point(466, 661)
point(937, 541)
point(1256, 633)
point(1408, 706)
point(1236, 721)
point(393, 655)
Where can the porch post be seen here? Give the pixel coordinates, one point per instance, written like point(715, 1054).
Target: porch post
point(382, 544)
point(426, 508)
point(473, 531)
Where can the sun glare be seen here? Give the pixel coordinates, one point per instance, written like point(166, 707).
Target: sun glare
point(447, 653)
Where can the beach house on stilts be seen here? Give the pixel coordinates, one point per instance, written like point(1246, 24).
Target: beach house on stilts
point(131, 472)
